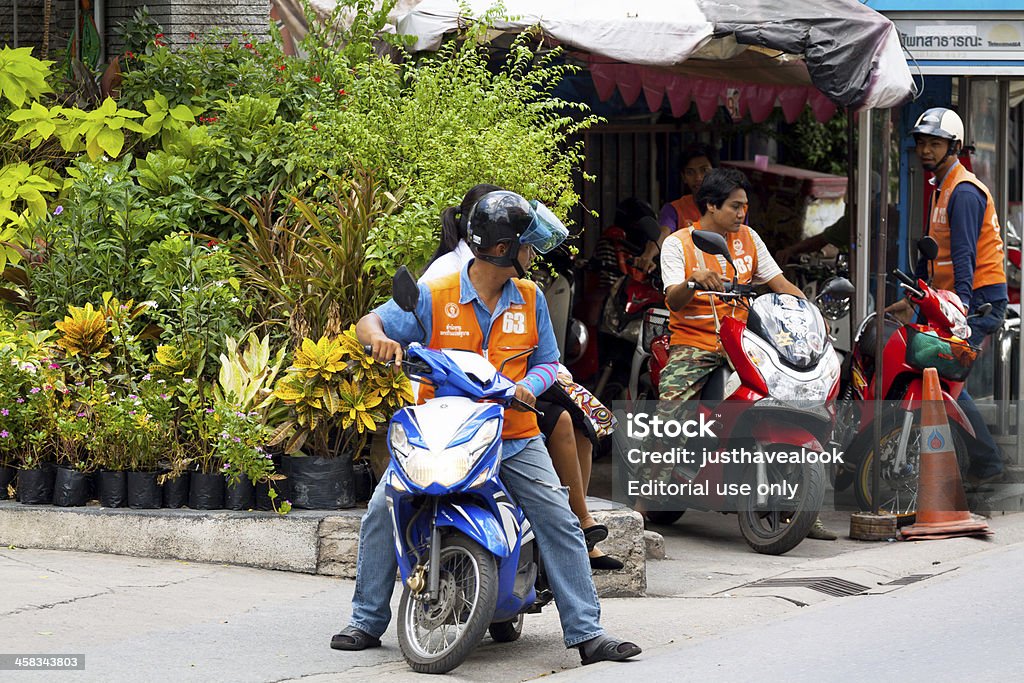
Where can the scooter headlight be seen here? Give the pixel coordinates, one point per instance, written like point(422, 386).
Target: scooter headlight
point(446, 466)
point(786, 384)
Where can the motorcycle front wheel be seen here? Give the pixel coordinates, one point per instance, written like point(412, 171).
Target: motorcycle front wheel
point(898, 484)
point(436, 637)
point(776, 525)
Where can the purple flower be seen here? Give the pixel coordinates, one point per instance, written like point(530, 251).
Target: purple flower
point(20, 400)
point(226, 467)
point(210, 410)
point(132, 396)
point(58, 211)
point(238, 440)
point(147, 377)
point(164, 396)
point(4, 434)
point(34, 390)
point(131, 412)
point(4, 412)
point(81, 415)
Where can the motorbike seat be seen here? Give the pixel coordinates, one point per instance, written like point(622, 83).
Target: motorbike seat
point(713, 392)
point(866, 343)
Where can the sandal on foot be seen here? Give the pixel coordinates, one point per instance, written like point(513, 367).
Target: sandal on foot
point(605, 562)
point(607, 649)
point(594, 535)
point(351, 638)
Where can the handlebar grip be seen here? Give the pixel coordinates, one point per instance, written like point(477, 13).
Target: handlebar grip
point(368, 350)
point(904, 278)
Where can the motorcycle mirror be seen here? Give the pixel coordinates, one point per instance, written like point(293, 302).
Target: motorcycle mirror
point(404, 290)
point(576, 342)
point(838, 288)
point(649, 228)
point(928, 247)
point(712, 243)
point(982, 310)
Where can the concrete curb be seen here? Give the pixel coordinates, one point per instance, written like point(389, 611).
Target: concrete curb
point(322, 542)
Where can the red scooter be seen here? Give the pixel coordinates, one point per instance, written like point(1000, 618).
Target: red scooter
point(939, 342)
point(774, 397)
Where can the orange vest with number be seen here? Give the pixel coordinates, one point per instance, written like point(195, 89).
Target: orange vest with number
point(988, 265)
point(694, 324)
point(687, 212)
point(455, 326)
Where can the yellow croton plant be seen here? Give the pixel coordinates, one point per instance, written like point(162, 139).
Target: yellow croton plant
point(333, 383)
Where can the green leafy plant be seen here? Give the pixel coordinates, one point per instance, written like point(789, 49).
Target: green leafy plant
point(22, 76)
point(338, 396)
point(22, 202)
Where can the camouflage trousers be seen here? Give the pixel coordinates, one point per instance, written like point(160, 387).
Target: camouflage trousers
point(687, 372)
point(683, 378)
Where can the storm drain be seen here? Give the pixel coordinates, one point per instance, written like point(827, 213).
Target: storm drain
point(829, 585)
point(907, 580)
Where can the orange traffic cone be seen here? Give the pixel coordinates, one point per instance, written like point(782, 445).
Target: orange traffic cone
point(941, 503)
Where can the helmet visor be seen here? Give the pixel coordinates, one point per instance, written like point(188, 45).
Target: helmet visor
point(546, 232)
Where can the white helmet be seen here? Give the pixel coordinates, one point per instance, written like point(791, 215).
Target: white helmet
point(942, 123)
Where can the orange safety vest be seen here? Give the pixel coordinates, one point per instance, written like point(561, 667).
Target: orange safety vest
point(988, 265)
point(694, 324)
point(455, 326)
point(687, 212)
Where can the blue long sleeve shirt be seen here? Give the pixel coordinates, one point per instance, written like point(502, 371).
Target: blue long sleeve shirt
point(966, 213)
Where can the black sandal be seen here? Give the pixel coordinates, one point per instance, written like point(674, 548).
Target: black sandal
point(607, 649)
point(594, 535)
point(351, 638)
point(606, 562)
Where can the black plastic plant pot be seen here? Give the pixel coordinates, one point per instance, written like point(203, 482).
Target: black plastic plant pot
point(176, 491)
point(365, 482)
point(70, 488)
point(206, 491)
point(143, 491)
point(7, 474)
point(322, 483)
point(111, 489)
point(240, 495)
point(35, 486)
point(280, 486)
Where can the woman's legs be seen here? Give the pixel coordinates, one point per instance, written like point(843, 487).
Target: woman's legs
point(562, 446)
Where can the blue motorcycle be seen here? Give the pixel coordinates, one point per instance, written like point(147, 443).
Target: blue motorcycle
point(467, 556)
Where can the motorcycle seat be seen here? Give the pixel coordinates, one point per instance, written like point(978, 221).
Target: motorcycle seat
point(713, 392)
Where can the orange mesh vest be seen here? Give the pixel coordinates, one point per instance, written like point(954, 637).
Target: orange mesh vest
point(694, 325)
point(455, 327)
point(988, 266)
point(687, 212)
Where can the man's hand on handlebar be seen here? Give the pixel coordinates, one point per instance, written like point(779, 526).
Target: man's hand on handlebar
point(524, 396)
point(903, 310)
point(385, 349)
point(707, 280)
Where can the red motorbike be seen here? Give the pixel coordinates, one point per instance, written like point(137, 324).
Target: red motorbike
point(775, 396)
point(939, 342)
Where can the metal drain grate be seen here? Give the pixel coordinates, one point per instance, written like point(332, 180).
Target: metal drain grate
point(829, 585)
point(907, 580)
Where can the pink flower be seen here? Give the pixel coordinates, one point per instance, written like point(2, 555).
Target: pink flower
point(34, 390)
point(4, 412)
point(54, 366)
point(4, 434)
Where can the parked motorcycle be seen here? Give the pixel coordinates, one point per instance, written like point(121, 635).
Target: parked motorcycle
point(908, 349)
point(774, 396)
point(466, 552)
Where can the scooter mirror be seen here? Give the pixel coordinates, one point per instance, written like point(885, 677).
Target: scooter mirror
point(928, 247)
point(838, 288)
point(404, 290)
point(712, 243)
point(649, 228)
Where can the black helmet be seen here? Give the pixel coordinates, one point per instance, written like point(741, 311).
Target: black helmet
point(504, 216)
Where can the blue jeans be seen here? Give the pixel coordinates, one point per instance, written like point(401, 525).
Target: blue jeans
point(986, 458)
point(530, 477)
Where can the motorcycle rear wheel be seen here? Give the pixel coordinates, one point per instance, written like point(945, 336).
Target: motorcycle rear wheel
point(437, 637)
point(506, 631)
point(777, 526)
point(664, 517)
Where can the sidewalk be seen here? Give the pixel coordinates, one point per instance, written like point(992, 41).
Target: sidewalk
point(164, 620)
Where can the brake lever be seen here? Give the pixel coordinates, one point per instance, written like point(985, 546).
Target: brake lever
point(530, 408)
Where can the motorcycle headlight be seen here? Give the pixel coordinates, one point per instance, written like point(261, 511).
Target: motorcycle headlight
point(446, 466)
point(786, 384)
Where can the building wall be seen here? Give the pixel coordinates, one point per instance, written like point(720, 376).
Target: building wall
point(178, 18)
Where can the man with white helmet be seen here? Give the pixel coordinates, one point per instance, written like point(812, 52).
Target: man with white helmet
point(962, 220)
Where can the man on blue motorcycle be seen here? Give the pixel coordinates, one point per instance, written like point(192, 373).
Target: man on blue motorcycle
point(485, 308)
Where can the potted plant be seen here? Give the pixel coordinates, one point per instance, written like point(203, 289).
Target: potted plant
point(338, 396)
point(245, 401)
point(26, 418)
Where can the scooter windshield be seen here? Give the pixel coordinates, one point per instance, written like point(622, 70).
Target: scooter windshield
point(794, 327)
